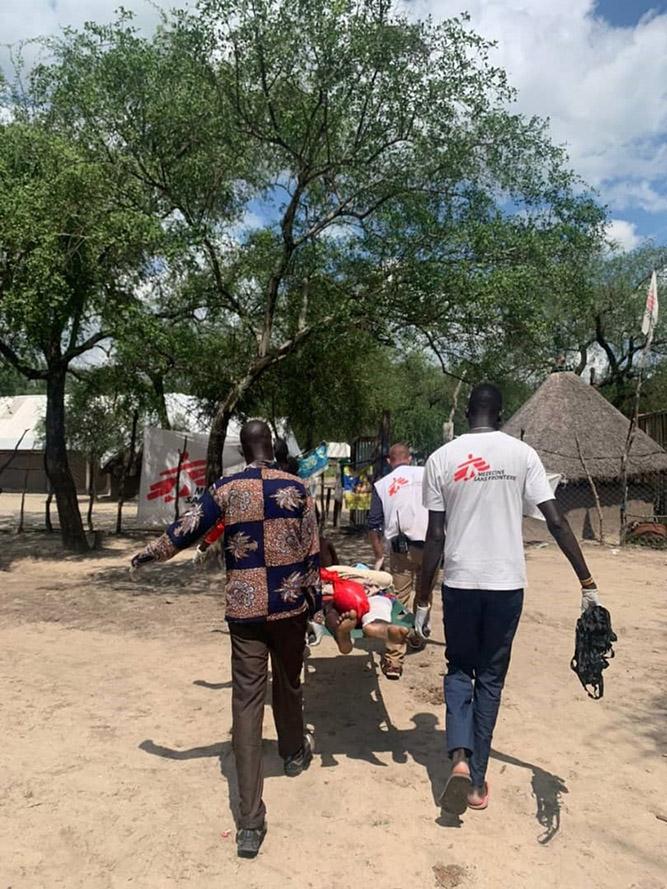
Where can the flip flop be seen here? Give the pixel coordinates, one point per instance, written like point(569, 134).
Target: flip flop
point(479, 807)
point(454, 797)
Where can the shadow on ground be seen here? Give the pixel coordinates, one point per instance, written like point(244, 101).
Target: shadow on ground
point(345, 707)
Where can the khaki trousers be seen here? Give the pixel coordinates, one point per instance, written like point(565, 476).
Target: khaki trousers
point(252, 645)
point(406, 573)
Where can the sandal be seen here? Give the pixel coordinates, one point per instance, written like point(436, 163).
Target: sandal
point(454, 798)
point(391, 671)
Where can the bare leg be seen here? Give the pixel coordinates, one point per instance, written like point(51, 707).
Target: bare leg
point(460, 761)
point(379, 629)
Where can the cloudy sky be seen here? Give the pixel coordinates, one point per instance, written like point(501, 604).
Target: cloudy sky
point(596, 68)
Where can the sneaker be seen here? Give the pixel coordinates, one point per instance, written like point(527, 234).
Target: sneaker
point(248, 841)
point(300, 761)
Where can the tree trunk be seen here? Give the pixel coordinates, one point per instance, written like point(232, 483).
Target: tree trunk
point(216, 440)
point(158, 387)
point(57, 465)
point(448, 425)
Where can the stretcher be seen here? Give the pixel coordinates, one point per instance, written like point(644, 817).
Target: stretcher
point(399, 615)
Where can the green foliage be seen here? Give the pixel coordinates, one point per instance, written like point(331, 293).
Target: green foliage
point(606, 321)
point(280, 206)
point(14, 383)
point(101, 405)
point(334, 388)
point(339, 384)
point(70, 254)
point(388, 179)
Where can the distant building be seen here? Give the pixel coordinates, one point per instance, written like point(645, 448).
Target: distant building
point(576, 431)
point(21, 414)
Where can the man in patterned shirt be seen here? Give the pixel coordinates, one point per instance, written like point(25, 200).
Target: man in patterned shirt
point(272, 587)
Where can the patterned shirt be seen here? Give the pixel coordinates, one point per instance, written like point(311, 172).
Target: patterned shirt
point(271, 542)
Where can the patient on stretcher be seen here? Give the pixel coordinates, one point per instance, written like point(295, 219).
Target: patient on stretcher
point(356, 596)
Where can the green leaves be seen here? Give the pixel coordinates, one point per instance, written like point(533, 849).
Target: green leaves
point(387, 180)
point(71, 254)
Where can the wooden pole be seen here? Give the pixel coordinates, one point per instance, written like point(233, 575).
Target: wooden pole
point(25, 488)
point(594, 489)
point(181, 456)
point(92, 493)
point(125, 469)
point(632, 429)
point(12, 456)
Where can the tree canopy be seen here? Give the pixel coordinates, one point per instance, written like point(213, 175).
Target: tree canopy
point(322, 210)
point(315, 162)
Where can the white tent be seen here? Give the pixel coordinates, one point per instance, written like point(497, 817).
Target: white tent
point(338, 450)
point(19, 413)
point(174, 462)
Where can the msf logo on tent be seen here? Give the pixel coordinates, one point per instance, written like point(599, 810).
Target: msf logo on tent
point(470, 468)
point(192, 472)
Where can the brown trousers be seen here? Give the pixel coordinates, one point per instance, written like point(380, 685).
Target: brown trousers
point(252, 644)
point(405, 571)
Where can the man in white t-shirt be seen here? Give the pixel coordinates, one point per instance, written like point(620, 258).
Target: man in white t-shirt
point(476, 489)
point(397, 521)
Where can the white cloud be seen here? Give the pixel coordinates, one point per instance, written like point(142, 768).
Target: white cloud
point(637, 193)
point(602, 87)
point(27, 20)
point(623, 234)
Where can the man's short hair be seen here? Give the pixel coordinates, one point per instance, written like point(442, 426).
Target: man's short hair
point(399, 451)
point(255, 432)
point(485, 399)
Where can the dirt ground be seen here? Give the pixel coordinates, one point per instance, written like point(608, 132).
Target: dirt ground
point(117, 768)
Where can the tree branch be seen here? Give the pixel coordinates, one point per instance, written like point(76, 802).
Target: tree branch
point(92, 341)
point(436, 352)
point(12, 358)
point(601, 341)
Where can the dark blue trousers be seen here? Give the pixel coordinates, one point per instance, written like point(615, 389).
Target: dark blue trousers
point(479, 631)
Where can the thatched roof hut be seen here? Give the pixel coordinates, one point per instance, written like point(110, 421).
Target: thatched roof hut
point(565, 412)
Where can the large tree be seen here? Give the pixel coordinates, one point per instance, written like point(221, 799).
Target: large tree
point(610, 321)
point(70, 257)
point(317, 162)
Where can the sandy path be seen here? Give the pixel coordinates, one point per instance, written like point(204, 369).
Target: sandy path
point(115, 708)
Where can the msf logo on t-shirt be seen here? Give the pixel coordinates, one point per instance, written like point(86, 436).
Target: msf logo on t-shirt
point(470, 468)
point(397, 484)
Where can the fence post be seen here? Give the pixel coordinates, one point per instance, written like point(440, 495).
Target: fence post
point(594, 489)
point(181, 457)
point(23, 493)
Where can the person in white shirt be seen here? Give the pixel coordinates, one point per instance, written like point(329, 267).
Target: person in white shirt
point(397, 522)
point(476, 489)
